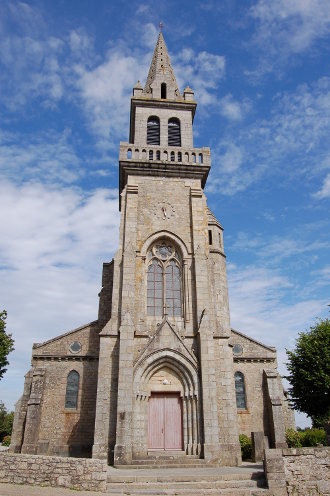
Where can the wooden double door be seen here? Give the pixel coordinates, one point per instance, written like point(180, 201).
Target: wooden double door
point(165, 421)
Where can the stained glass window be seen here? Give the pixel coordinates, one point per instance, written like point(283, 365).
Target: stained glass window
point(164, 280)
point(240, 391)
point(72, 388)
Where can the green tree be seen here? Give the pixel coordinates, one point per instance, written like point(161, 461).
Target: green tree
point(309, 368)
point(6, 421)
point(6, 343)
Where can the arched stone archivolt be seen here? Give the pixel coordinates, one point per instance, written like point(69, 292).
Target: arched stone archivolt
point(186, 372)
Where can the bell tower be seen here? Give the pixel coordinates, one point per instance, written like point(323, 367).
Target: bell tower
point(166, 347)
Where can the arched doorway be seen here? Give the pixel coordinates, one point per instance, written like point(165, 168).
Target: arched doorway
point(165, 410)
point(165, 422)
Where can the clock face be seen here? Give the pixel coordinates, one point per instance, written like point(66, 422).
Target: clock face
point(164, 210)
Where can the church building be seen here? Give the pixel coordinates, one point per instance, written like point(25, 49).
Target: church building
point(160, 371)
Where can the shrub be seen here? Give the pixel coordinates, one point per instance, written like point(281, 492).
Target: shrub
point(246, 447)
point(313, 437)
point(6, 441)
point(293, 438)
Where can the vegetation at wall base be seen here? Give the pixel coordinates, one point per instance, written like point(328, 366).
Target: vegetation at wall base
point(309, 373)
point(6, 421)
point(306, 438)
point(6, 441)
point(246, 447)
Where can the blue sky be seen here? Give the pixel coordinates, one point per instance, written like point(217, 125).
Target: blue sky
point(260, 72)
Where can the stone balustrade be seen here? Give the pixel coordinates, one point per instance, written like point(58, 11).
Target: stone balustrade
point(192, 156)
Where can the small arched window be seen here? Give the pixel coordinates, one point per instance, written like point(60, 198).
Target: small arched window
point(172, 156)
point(72, 388)
point(158, 155)
point(174, 132)
point(153, 131)
point(240, 391)
point(163, 91)
point(129, 153)
point(164, 280)
point(151, 155)
point(194, 157)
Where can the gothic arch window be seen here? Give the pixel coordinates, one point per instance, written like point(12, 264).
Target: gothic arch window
point(240, 391)
point(164, 280)
point(72, 389)
point(174, 132)
point(153, 131)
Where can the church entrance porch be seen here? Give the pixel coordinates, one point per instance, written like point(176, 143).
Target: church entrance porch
point(165, 422)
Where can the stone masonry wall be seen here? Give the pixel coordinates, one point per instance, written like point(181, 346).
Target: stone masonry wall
point(73, 473)
point(298, 472)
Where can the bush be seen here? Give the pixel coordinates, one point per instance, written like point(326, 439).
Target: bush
point(246, 447)
point(6, 441)
point(313, 437)
point(293, 438)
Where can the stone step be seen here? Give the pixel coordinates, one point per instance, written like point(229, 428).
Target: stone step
point(156, 465)
point(219, 484)
point(163, 490)
point(197, 477)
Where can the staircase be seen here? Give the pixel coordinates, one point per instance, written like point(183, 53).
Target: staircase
point(158, 479)
point(169, 459)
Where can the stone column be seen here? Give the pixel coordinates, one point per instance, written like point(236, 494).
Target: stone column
point(20, 415)
point(106, 399)
point(33, 415)
point(123, 447)
point(205, 331)
point(275, 409)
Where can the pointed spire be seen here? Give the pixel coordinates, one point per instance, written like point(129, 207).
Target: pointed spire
point(161, 72)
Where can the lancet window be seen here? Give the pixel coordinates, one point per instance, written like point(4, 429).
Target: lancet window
point(72, 389)
point(164, 280)
point(240, 391)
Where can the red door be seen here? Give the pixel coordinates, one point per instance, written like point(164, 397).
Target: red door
point(165, 421)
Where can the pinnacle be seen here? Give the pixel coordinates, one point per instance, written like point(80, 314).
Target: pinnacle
point(161, 69)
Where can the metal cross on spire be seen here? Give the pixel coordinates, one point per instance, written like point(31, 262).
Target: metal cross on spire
point(160, 26)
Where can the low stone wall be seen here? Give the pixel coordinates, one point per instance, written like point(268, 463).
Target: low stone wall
point(298, 471)
point(73, 473)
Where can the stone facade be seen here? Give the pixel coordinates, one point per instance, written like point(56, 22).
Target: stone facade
point(53, 471)
point(163, 327)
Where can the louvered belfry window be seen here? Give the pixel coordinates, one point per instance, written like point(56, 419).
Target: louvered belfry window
point(153, 131)
point(174, 132)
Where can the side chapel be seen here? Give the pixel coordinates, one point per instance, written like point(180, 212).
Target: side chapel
point(160, 370)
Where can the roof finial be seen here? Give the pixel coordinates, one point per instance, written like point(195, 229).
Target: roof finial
point(160, 26)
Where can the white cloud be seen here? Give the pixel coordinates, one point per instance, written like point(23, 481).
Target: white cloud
point(202, 71)
point(52, 246)
point(324, 192)
point(292, 142)
point(46, 157)
point(232, 109)
point(286, 28)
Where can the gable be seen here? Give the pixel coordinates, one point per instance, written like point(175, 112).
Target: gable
point(251, 349)
point(87, 336)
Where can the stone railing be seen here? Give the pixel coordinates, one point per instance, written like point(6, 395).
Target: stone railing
point(298, 471)
point(191, 156)
point(74, 473)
